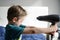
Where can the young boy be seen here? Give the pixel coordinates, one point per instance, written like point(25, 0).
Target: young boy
point(14, 28)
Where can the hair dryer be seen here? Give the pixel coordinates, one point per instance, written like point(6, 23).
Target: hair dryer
point(49, 18)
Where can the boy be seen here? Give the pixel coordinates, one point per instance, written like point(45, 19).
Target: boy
point(14, 29)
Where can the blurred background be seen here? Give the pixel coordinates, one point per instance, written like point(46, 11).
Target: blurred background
point(53, 6)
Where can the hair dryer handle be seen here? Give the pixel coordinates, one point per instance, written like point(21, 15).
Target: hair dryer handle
point(53, 23)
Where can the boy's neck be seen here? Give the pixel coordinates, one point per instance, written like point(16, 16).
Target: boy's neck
point(12, 23)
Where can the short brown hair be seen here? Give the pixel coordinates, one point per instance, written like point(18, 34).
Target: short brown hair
point(15, 11)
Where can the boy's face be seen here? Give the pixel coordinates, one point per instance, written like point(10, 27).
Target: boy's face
point(19, 21)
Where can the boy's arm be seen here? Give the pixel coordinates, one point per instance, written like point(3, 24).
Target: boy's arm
point(29, 30)
point(34, 30)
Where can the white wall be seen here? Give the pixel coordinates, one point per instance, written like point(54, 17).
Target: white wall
point(59, 13)
point(53, 5)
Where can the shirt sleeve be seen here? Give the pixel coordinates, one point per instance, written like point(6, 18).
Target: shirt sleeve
point(23, 26)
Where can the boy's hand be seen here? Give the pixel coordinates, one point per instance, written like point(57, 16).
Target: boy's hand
point(55, 28)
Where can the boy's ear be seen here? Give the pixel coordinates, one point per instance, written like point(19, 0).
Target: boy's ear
point(14, 19)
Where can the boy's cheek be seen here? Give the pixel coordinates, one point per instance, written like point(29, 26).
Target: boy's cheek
point(20, 21)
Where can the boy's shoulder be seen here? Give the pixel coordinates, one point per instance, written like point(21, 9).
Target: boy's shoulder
point(14, 27)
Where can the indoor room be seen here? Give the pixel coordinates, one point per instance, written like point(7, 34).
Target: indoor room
point(40, 19)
